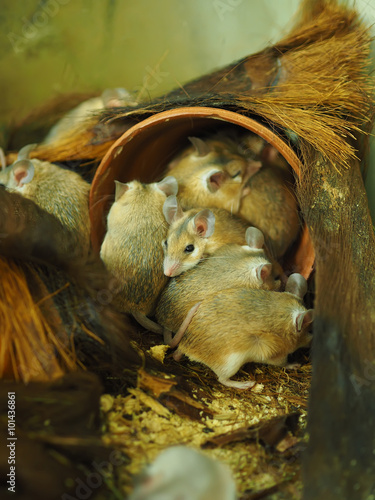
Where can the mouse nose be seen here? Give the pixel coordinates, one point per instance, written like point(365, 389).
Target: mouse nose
point(170, 267)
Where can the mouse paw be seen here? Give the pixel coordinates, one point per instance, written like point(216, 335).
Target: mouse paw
point(238, 384)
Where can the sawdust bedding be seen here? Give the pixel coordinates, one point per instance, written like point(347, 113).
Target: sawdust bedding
point(259, 433)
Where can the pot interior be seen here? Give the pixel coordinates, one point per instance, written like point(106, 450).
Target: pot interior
point(144, 151)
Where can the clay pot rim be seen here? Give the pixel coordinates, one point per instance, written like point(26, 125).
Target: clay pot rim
point(304, 252)
point(219, 114)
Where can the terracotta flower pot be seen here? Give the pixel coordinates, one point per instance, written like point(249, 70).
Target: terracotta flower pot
point(144, 150)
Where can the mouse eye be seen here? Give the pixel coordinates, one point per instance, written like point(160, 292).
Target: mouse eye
point(189, 248)
point(165, 243)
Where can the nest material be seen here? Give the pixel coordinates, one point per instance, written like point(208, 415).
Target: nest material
point(258, 433)
point(59, 448)
point(54, 322)
point(31, 329)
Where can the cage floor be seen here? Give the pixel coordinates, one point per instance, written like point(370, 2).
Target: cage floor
point(258, 433)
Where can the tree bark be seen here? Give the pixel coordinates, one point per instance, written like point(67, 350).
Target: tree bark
point(340, 459)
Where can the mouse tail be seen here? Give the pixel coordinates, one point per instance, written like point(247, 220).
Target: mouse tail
point(180, 332)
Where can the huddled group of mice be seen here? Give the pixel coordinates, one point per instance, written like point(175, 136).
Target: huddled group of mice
point(195, 256)
point(198, 252)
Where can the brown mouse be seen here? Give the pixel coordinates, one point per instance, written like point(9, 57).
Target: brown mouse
point(238, 326)
point(246, 176)
point(230, 266)
point(268, 201)
point(110, 98)
point(29, 232)
point(197, 233)
point(132, 250)
point(58, 191)
point(211, 173)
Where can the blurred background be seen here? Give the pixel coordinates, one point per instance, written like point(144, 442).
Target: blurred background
point(49, 47)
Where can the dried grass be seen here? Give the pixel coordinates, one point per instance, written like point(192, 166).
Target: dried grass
point(34, 345)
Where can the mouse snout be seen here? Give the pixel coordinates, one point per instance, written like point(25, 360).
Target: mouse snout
point(171, 267)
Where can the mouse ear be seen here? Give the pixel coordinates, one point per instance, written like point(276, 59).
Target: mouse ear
point(263, 272)
point(297, 285)
point(172, 210)
point(120, 189)
point(254, 238)
point(204, 223)
point(215, 180)
point(23, 172)
point(251, 169)
point(119, 96)
point(168, 185)
point(201, 147)
point(269, 153)
point(111, 98)
point(303, 319)
point(24, 153)
point(3, 162)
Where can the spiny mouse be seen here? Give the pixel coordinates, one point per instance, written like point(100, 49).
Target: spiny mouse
point(59, 191)
point(238, 326)
point(132, 249)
